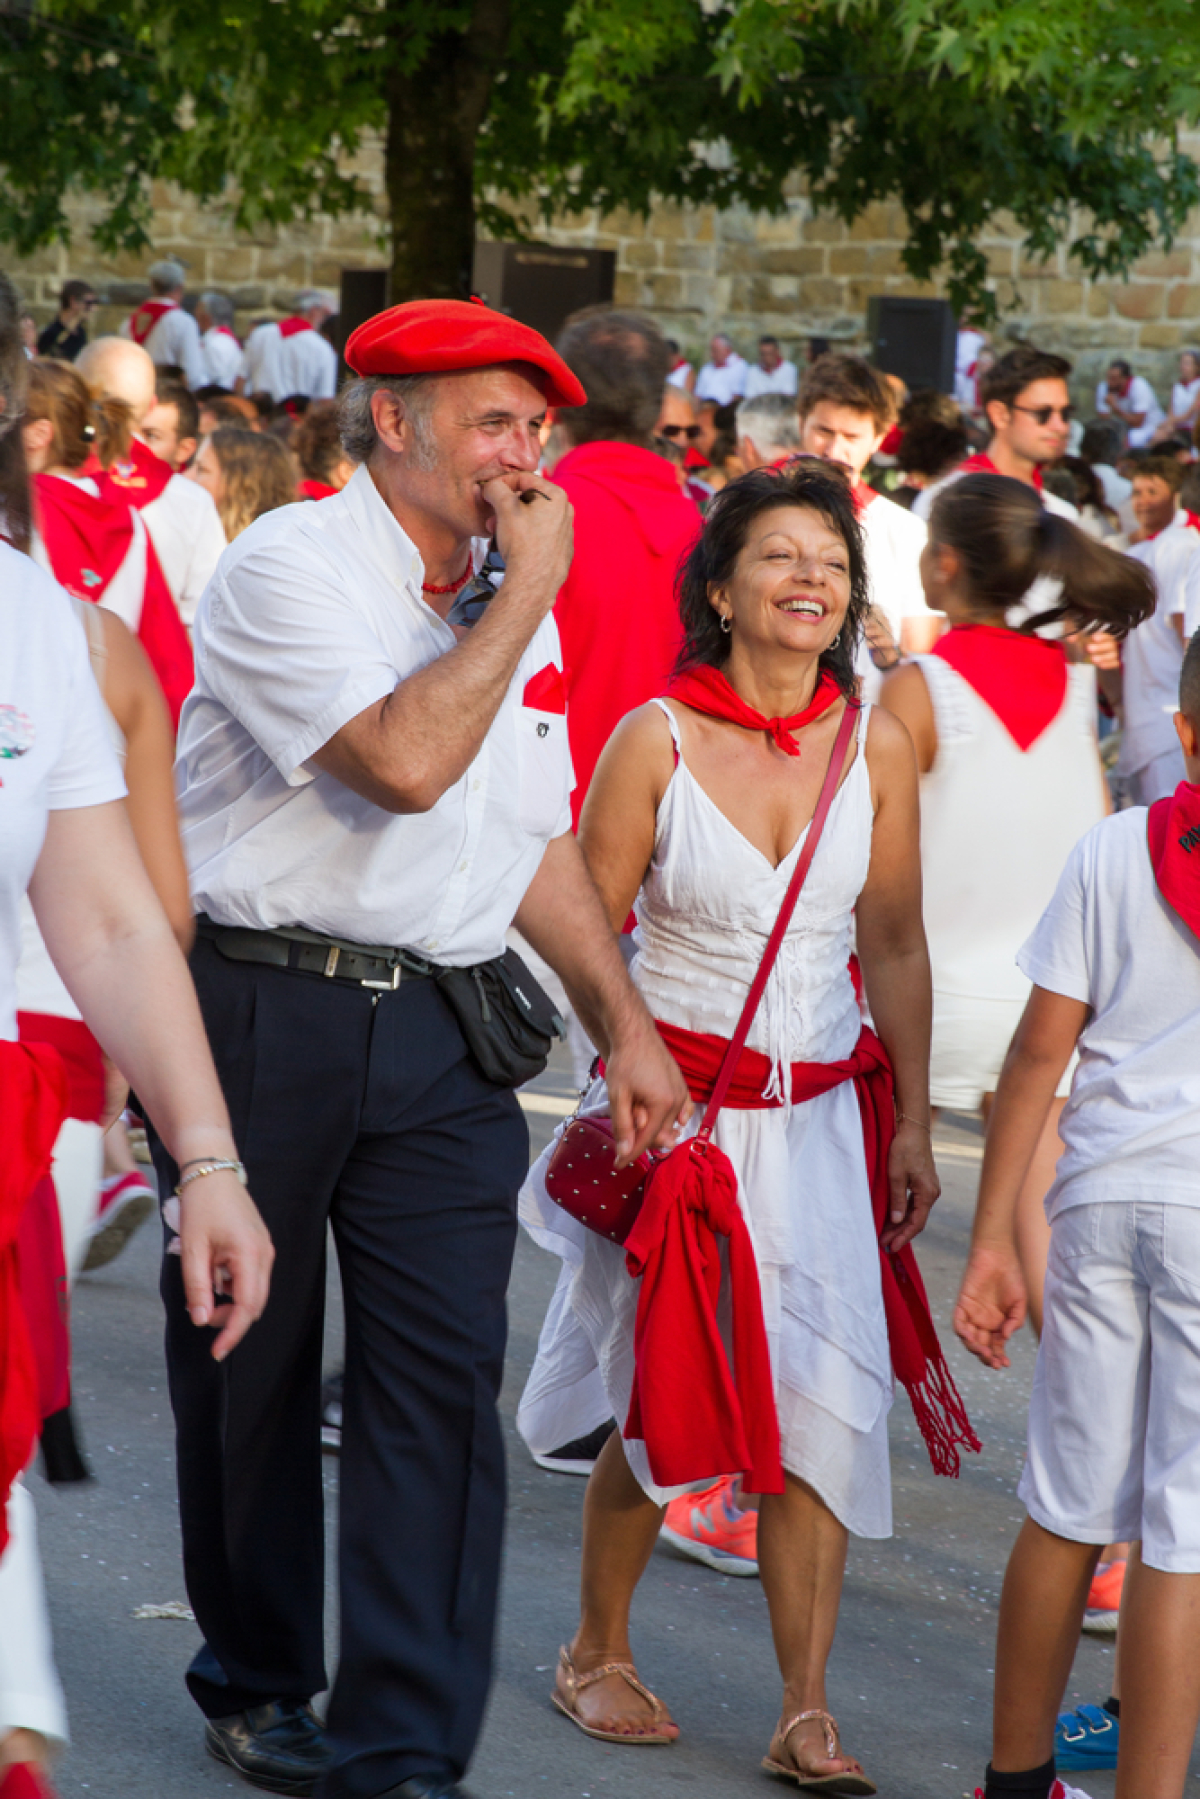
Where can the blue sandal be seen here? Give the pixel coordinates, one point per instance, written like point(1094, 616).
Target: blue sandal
point(1086, 1738)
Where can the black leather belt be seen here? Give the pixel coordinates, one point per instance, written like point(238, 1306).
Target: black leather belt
point(309, 952)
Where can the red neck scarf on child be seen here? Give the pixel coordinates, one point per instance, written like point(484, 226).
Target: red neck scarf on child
point(982, 464)
point(1022, 678)
point(707, 690)
point(1173, 835)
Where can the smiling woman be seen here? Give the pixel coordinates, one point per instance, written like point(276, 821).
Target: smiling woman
point(697, 815)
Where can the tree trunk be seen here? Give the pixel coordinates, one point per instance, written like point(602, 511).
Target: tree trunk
point(434, 116)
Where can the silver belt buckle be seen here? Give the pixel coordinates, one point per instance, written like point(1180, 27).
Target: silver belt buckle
point(386, 986)
point(331, 960)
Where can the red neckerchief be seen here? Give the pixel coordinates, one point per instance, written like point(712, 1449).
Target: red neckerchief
point(892, 441)
point(1173, 836)
point(1021, 677)
point(982, 464)
point(87, 537)
point(289, 327)
point(33, 1104)
point(140, 478)
point(1192, 519)
point(143, 321)
point(314, 490)
point(917, 1357)
point(863, 494)
point(227, 331)
point(708, 691)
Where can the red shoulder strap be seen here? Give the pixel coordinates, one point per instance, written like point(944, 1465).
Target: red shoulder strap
point(799, 874)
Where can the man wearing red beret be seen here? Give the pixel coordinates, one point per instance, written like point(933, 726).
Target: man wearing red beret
point(371, 793)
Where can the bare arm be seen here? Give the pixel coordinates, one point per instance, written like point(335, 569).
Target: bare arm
point(405, 750)
point(895, 965)
point(992, 1299)
point(617, 824)
point(905, 695)
point(112, 944)
point(135, 700)
point(920, 631)
point(564, 920)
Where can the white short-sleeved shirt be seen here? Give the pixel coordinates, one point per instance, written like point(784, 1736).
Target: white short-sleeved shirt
point(303, 363)
point(678, 376)
point(1108, 938)
point(1183, 397)
point(173, 341)
point(724, 384)
point(780, 380)
point(222, 356)
point(893, 540)
point(189, 538)
point(1152, 655)
point(55, 740)
point(314, 614)
point(1141, 397)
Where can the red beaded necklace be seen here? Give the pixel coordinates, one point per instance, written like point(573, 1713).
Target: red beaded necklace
point(451, 587)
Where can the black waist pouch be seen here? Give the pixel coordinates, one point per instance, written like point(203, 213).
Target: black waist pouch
point(508, 1021)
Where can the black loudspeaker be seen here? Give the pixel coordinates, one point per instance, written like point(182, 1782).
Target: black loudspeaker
point(914, 339)
point(364, 293)
point(540, 284)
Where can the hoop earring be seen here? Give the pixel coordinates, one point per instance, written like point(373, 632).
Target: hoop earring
point(836, 641)
point(726, 624)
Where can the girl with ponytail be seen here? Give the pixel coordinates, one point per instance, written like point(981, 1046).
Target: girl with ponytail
point(1003, 722)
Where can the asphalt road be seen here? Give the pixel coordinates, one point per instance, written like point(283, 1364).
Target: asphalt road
point(911, 1670)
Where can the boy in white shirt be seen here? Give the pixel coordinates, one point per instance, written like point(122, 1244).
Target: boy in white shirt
point(1152, 656)
point(1114, 1422)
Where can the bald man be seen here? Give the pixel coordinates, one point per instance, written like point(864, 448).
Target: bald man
point(183, 523)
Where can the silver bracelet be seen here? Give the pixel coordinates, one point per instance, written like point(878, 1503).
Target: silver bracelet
point(196, 1171)
point(903, 1118)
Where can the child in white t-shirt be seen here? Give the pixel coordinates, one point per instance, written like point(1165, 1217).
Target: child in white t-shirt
point(1114, 1424)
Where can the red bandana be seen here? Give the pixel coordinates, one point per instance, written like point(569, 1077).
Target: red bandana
point(86, 538)
point(1022, 678)
point(1173, 835)
point(227, 331)
point(1192, 519)
point(135, 482)
point(982, 464)
point(289, 327)
point(314, 490)
point(707, 690)
point(143, 321)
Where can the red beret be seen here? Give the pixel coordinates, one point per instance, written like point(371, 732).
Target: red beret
point(429, 337)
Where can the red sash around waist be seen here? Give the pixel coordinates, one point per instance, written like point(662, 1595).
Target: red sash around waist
point(686, 1259)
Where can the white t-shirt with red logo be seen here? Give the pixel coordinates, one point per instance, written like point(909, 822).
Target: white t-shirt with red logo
point(56, 749)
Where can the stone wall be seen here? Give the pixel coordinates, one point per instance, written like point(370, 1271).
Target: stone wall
point(695, 269)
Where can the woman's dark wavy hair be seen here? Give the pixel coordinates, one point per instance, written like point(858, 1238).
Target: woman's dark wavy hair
point(820, 487)
point(1006, 538)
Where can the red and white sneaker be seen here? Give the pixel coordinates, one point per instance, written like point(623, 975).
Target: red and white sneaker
point(1104, 1600)
point(1060, 1790)
point(126, 1201)
point(25, 1780)
point(710, 1528)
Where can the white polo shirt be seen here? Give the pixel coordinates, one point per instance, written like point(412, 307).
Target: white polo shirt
point(724, 384)
point(782, 379)
point(315, 613)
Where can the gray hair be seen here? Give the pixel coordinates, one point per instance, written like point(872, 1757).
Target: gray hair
point(771, 420)
point(166, 275)
point(356, 425)
point(308, 297)
point(219, 306)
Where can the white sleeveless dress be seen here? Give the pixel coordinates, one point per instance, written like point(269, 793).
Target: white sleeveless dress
point(997, 826)
point(706, 908)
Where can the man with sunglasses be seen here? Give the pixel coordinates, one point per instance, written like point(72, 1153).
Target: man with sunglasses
point(1028, 406)
point(66, 334)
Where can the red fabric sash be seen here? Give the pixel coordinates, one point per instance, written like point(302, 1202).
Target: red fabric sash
point(143, 321)
point(1173, 836)
point(1021, 677)
point(917, 1357)
point(86, 538)
point(707, 690)
point(289, 327)
point(163, 636)
point(982, 464)
point(314, 490)
point(135, 482)
point(33, 1103)
point(81, 1056)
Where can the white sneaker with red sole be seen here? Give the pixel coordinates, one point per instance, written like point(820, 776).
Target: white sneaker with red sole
point(1060, 1790)
point(126, 1201)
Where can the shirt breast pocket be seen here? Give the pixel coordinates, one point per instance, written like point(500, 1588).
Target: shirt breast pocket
point(543, 769)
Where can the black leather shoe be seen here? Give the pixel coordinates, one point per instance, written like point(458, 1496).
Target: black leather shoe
point(426, 1786)
point(282, 1747)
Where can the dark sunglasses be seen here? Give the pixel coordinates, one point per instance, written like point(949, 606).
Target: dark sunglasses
point(1043, 414)
point(472, 600)
point(691, 432)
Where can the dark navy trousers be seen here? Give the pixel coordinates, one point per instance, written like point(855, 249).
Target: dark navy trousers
point(363, 1110)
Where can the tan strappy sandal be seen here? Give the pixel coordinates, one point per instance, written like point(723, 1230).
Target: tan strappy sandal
point(825, 1783)
point(576, 1683)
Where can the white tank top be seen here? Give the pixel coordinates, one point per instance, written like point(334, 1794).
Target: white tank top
point(997, 826)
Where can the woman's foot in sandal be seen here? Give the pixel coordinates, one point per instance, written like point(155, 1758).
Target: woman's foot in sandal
point(807, 1751)
point(607, 1701)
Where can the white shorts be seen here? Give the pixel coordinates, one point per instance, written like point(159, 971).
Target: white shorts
point(970, 1041)
point(1114, 1417)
